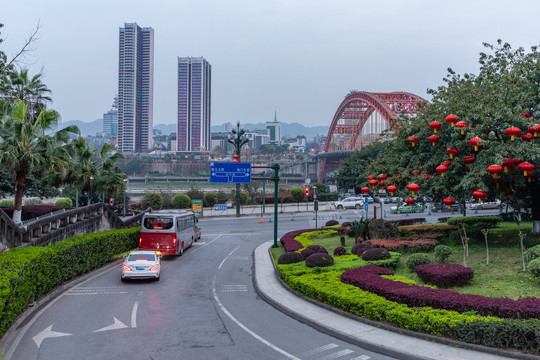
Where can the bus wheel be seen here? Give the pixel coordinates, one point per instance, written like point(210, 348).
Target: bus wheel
point(181, 248)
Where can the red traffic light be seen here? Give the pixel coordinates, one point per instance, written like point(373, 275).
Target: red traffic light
point(307, 191)
point(111, 201)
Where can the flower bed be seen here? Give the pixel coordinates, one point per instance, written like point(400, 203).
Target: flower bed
point(444, 275)
point(291, 244)
point(368, 278)
point(405, 244)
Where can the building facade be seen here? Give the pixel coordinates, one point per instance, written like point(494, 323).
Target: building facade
point(194, 100)
point(110, 120)
point(274, 129)
point(135, 89)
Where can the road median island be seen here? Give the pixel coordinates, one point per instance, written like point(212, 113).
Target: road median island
point(324, 284)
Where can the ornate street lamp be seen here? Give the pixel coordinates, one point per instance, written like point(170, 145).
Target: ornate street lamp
point(237, 141)
point(125, 190)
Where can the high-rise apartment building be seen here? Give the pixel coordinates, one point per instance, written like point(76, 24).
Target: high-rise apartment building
point(110, 120)
point(135, 88)
point(274, 128)
point(194, 95)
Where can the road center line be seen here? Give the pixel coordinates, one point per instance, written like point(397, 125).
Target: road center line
point(134, 314)
point(242, 326)
point(226, 257)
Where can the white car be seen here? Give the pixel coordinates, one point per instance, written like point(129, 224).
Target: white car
point(352, 202)
point(485, 205)
point(141, 265)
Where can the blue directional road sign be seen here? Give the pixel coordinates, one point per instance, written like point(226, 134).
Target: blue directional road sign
point(218, 207)
point(366, 204)
point(230, 173)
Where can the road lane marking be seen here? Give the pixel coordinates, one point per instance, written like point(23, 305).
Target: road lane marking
point(134, 314)
point(47, 333)
point(337, 354)
point(117, 324)
point(232, 288)
point(226, 257)
point(242, 326)
point(319, 350)
point(362, 357)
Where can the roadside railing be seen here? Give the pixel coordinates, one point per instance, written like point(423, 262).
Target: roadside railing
point(58, 227)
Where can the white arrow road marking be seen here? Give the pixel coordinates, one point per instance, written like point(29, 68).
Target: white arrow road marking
point(134, 315)
point(117, 325)
point(47, 333)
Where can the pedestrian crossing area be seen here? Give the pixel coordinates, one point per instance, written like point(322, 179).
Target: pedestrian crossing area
point(330, 352)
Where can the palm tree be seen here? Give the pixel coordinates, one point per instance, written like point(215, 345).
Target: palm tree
point(27, 142)
point(18, 85)
point(111, 179)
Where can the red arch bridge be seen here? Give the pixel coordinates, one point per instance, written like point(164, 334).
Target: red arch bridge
point(361, 119)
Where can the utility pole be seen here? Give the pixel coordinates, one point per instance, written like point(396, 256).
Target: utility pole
point(237, 141)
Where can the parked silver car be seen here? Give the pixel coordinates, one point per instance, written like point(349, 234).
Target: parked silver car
point(352, 202)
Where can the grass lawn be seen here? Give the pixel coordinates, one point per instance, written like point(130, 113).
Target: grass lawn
point(503, 277)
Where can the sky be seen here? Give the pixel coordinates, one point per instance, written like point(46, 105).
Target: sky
point(297, 57)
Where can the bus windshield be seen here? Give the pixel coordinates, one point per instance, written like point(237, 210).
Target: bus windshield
point(158, 223)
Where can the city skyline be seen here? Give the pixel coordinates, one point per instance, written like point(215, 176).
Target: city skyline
point(301, 58)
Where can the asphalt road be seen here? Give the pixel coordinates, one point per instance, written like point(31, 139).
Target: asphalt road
point(204, 307)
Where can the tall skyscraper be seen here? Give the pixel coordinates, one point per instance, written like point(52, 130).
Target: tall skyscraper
point(110, 120)
point(274, 127)
point(194, 95)
point(135, 88)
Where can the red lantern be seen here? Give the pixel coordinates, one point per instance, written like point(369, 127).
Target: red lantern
point(507, 165)
point(416, 172)
point(373, 183)
point(236, 157)
point(381, 183)
point(391, 189)
point(495, 169)
point(535, 129)
point(449, 202)
point(526, 167)
point(512, 132)
point(370, 177)
point(469, 160)
point(453, 152)
point(427, 176)
point(451, 119)
point(527, 137)
point(447, 163)
point(413, 140)
point(442, 169)
point(509, 192)
point(413, 188)
point(435, 125)
point(382, 177)
point(479, 194)
point(461, 125)
point(365, 190)
point(474, 142)
point(433, 139)
point(409, 201)
point(527, 115)
point(497, 180)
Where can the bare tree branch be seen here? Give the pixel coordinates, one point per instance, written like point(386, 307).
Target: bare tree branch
point(28, 47)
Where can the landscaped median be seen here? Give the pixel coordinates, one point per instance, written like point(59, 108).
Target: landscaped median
point(370, 290)
point(26, 274)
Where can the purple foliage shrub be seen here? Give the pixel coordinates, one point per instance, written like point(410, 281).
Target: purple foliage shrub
point(346, 224)
point(313, 249)
point(290, 258)
point(350, 233)
point(367, 278)
point(444, 275)
point(339, 251)
point(332, 222)
point(319, 260)
point(358, 249)
point(376, 254)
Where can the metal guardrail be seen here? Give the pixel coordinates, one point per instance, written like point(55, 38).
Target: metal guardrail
point(57, 227)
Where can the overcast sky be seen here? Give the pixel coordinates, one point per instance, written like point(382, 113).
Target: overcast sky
point(297, 57)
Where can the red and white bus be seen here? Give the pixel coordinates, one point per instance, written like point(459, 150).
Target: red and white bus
point(169, 232)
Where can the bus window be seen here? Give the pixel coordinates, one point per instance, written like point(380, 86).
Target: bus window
point(158, 223)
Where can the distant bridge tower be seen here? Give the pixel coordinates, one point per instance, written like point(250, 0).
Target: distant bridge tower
point(359, 121)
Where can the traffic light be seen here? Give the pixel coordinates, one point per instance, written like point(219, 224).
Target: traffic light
point(111, 201)
point(307, 192)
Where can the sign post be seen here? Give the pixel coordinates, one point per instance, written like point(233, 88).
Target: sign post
point(197, 207)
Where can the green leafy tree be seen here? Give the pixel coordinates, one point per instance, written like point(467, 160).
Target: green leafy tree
point(297, 195)
point(210, 199)
point(195, 193)
point(27, 143)
point(181, 201)
point(152, 200)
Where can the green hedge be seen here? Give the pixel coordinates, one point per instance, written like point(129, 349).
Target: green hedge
point(28, 273)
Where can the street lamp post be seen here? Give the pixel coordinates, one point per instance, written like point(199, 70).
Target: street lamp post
point(237, 141)
point(125, 190)
point(91, 181)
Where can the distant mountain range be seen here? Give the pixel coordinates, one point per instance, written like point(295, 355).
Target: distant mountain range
point(288, 130)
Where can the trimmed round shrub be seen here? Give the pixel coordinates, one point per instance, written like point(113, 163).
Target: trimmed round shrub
point(359, 249)
point(313, 249)
point(418, 259)
point(332, 222)
point(290, 258)
point(376, 254)
point(442, 252)
point(152, 200)
point(6, 203)
point(64, 202)
point(31, 202)
point(181, 201)
point(346, 224)
point(340, 251)
point(534, 267)
point(532, 253)
point(350, 233)
point(319, 260)
point(210, 199)
point(444, 275)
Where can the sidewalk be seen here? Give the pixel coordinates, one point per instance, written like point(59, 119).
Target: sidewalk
point(390, 343)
